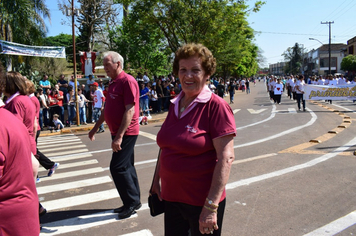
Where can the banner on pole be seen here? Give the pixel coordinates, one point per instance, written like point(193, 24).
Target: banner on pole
point(324, 92)
point(11, 48)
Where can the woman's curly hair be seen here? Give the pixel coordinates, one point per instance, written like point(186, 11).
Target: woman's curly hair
point(192, 49)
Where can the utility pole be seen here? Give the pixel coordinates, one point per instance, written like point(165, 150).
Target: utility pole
point(329, 23)
point(73, 13)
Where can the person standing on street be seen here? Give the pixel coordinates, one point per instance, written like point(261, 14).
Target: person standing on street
point(121, 114)
point(299, 87)
point(98, 105)
point(247, 83)
point(277, 91)
point(220, 88)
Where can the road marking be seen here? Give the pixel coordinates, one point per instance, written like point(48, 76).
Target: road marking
point(236, 110)
point(273, 114)
point(336, 226)
point(292, 110)
point(288, 170)
point(144, 232)
point(73, 164)
point(56, 136)
point(138, 163)
point(72, 174)
point(59, 141)
point(73, 185)
point(54, 144)
point(347, 109)
point(289, 111)
point(87, 221)
point(252, 111)
point(312, 120)
point(63, 147)
point(254, 158)
point(67, 152)
point(80, 199)
point(148, 135)
point(81, 223)
point(71, 157)
point(110, 150)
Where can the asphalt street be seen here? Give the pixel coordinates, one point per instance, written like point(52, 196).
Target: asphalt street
point(293, 174)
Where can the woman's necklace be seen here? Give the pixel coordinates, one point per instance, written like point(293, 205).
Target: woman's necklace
point(184, 106)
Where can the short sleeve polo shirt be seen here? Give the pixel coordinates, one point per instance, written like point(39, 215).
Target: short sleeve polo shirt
point(122, 91)
point(188, 156)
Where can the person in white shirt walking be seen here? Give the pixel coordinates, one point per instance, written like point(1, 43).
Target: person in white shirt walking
point(299, 87)
point(98, 105)
point(278, 90)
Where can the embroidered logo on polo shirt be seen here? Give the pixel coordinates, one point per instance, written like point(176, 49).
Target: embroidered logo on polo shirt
point(113, 96)
point(191, 129)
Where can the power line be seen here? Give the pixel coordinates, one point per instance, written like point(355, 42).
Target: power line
point(264, 32)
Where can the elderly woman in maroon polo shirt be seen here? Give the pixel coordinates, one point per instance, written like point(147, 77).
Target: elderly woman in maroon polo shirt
point(18, 198)
point(196, 142)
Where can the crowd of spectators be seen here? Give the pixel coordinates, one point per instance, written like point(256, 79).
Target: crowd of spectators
point(155, 96)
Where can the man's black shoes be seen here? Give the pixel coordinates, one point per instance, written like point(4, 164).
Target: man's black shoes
point(126, 212)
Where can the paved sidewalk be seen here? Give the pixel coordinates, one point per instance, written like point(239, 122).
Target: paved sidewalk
point(74, 128)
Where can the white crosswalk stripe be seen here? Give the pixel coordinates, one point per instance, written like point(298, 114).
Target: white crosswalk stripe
point(73, 164)
point(47, 145)
point(72, 173)
point(63, 148)
point(76, 183)
point(80, 199)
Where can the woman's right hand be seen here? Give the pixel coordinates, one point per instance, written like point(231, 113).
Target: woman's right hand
point(156, 188)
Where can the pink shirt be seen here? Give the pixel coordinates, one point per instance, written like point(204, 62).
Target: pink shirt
point(35, 102)
point(18, 198)
point(122, 91)
point(188, 156)
point(22, 107)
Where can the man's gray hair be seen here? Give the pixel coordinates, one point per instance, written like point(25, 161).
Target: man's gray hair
point(115, 57)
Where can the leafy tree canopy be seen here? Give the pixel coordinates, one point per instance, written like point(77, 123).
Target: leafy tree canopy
point(348, 63)
point(220, 25)
point(294, 58)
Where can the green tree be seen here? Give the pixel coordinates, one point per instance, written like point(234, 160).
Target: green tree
point(63, 40)
point(141, 47)
point(220, 25)
point(348, 63)
point(22, 21)
point(294, 59)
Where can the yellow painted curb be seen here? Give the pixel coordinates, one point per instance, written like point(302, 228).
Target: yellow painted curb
point(332, 132)
point(315, 141)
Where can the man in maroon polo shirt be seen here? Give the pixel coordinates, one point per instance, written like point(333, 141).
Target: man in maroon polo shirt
point(121, 114)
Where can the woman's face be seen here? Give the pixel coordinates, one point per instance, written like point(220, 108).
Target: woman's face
point(192, 76)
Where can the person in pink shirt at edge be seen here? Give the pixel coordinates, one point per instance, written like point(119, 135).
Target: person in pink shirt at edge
point(43, 159)
point(19, 104)
point(121, 114)
point(196, 142)
point(18, 198)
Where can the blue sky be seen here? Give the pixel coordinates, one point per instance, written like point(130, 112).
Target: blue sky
point(282, 23)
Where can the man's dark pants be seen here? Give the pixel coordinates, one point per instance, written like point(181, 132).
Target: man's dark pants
point(124, 173)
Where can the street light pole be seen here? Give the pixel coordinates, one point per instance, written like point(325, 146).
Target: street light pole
point(329, 23)
point(75, 68)
point(318, 53)
point(316, 40)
